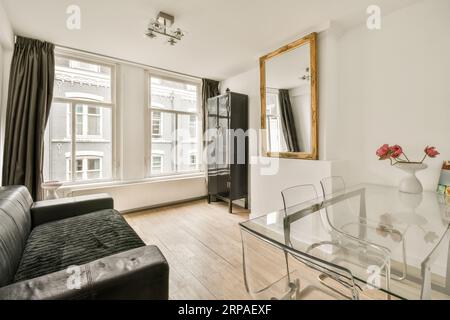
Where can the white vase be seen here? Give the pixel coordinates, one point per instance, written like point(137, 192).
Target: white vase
point(410, 203)
point(410, 183)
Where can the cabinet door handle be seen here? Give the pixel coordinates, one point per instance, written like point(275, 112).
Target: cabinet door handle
point(229, 185)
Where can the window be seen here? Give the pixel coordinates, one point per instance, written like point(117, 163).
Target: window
point(275, 136)
point(79, 135)
point(193, 161)
point(193, 126)
point(84, 66)
point(174, 112)
point(89, 121)
point(86, 167)
point(157, 164)
point(156, 124)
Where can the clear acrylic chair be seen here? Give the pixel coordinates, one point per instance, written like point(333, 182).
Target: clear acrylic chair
point(332, 185)
point(292, 198)
point(266, 277)
point(320, 279)
point(296, 195)
point(336, 184)
point(275, 271)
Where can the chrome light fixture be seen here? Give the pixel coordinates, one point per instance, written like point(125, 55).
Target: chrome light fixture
point(162, 26)
point(307, 76)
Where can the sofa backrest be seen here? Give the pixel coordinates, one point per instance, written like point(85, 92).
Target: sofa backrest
point(15, 226)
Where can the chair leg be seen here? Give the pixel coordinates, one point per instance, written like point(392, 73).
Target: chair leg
point(231, 206)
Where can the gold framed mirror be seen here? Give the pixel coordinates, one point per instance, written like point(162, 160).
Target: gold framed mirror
point(289, 100)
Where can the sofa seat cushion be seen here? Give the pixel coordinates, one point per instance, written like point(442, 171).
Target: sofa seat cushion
point(75, 241)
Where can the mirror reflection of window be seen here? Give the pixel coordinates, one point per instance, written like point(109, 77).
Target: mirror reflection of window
point(274, 131)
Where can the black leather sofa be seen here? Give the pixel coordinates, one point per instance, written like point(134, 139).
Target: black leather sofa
point(74, 248)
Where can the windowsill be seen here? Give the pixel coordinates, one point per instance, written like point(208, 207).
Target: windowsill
point(117, 183)
point(82, 140)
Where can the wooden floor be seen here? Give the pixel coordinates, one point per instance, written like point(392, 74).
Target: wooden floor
point(202, 244)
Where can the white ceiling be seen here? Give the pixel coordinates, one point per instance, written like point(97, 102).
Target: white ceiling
point(225, 37)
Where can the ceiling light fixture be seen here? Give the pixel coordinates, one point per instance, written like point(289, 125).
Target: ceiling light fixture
point(162, 26)
point(307, 76)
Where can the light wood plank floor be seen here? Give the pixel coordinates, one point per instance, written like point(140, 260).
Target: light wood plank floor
point(202, 244)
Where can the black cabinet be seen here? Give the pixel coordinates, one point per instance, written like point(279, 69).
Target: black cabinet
point(227, 148)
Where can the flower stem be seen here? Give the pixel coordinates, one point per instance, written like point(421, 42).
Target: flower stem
point(406, 157)
point(424, 158)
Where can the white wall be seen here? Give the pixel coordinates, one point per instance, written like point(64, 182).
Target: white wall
point(394, 89)
point(140, 195)
point(6, 49)
point(1, 79)
point(375, 87)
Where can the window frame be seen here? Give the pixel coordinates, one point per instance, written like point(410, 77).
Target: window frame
point(195, 125)
point(85, 122)
point(160, 126)
point(86, 103)
point(195, 162)
point(149, 108)
point(161, 157)
point(85, 166)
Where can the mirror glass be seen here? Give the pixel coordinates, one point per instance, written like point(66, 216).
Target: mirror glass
point(289, 108)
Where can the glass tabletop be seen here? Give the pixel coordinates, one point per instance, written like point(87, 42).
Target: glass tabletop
point(380, 228)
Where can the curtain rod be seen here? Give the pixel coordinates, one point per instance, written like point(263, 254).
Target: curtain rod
point(126, 61)
point(121, 60)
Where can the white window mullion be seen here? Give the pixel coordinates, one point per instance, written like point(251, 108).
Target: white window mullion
point(74, 139)
point(100, 119)
point(101, 168)
point(85, 121)
point(176, 143)
point(85, 168)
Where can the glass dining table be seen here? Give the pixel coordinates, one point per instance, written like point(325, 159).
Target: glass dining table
point(388, 241)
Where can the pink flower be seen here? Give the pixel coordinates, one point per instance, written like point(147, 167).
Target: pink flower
point(396, 151)
point(384, 152)
point(431, 152)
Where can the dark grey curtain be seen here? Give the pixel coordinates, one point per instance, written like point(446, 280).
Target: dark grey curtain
point(29, 100)
point(287, 122)
point(210, 90)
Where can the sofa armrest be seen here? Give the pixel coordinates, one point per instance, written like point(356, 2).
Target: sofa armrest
point(52, 210)
point(138, 274)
